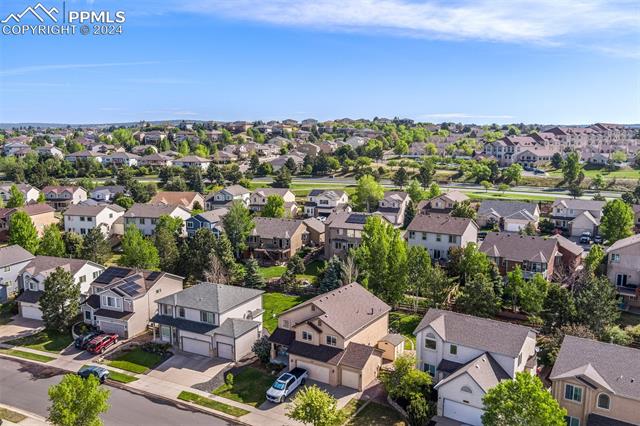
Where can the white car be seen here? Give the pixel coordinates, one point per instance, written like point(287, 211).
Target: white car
point(286, 384)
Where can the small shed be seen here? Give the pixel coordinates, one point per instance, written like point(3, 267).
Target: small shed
point(392, 346)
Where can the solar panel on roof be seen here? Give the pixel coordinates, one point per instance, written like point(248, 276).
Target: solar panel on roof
point(112, 273)
point(357, 218)
point(130, 288)
point(152, 276)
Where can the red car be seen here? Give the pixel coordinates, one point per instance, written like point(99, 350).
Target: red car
point(100, 343)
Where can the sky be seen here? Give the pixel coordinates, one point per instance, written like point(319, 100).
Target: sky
point(472, 61)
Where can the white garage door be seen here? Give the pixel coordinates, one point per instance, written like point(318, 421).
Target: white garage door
point(112, 327)
point(199, 347)
point(351, 379)
point(31, 312)
point(462, 413)
point(225, 350)
point(512, 227)
point(316, 372)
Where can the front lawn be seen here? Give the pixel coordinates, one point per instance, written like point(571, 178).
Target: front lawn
point(135, 361)
point(210, 403)
point(26, 355)
point(375, 414)
point(276, 303)
point(119, 377)
point(48, 341)
point(249, 387)
point(405, 323)
point(270, 272)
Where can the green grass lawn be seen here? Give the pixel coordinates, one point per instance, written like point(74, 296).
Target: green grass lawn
point(135, 361)
point(311, 271)
point(26, 355)
point(249, 387)
point(7, 310)
point(591, 172)
point(11, 416)
point(210, 403)
point(275, 303)
point(375, 414)
point(404, 324)
point(481, 195)
point(48, 341)
point(272, 271)
point(118, 377)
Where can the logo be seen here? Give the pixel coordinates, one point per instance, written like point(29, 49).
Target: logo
point(34, 11)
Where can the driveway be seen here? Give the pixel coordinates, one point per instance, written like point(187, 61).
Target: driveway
point(19, 327)
point(188, 369)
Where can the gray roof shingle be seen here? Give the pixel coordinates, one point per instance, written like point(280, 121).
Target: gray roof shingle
point(11, 255)
point(505, 208)
point(236, 327)
point(484, 370)
point(440, 223)
point(518, 248)
point(268, 227)
point(211, 297)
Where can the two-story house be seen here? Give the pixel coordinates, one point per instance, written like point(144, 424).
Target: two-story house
point(623, 269)
point(13, 259)
point(227, 196)
point(60, 197)
point(323, 202)
point(532, 254)
point(192, 161)
point(577, 216)
point(211, 219)
point(597, 383)
point(439, 233)
point(33, 276)
point(41, 215)
point(343, 232)
point(277, 240)
point(187, 199)
point(636, 215)
point(259, 198)
point(155, 160)
point(211, 319)
point(81, 218)
point(443, 203)
point(106, 193)
point(393, 206)
point(122, 300)
point(467, 356)
point(119, 159)
point(339, 337)
point(510, 216)
point(145, 216)
point(30, 193)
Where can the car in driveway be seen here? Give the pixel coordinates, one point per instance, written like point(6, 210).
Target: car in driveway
point(100, 343)
point(100, 373)
point(286, 384)
point(585, 238)
point(597, 239)
point(81, 342)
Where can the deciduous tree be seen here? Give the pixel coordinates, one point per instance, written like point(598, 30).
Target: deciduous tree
point(77, 402)
point(51, 243)
point(368, 193)
point(138, 251)
point(617, 221)
point(16, 198)
point(316, 407)
point(60, 300)
point(274, 206)
point(23, 232)
point(238, 225)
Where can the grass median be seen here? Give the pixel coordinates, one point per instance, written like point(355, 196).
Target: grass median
point(210, 403)
point(26, 355)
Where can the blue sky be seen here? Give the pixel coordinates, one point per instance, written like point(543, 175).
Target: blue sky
point(480, 61)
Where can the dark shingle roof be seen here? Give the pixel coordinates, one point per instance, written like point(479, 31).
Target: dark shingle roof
point(598, 420)
point(108, 313)
point(356, 355)
point(484, 370)
point(322, 353)
point(211, 297)
point(440, 223)
point(29, 296)
point(505, 208)
point(236, 327)
point(280, 336)
point(518, 247)
point(267, 227)
point(183, 324)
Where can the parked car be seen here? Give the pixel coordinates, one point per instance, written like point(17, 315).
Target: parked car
point(597, 239)
point(81, 342)
point(585, 238)
point(100, 343)
point(286, 384)
point(100, 373)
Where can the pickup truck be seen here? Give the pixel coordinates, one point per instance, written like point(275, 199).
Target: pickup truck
point(100, 343)
point(286, 384)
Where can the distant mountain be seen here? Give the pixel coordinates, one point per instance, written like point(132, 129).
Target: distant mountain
point(98, 125)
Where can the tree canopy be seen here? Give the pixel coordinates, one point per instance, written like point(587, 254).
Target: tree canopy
point(77, 402)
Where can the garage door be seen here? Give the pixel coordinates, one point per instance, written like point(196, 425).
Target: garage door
point(31, 312)
point(351, 379)
point(512, 227)
point(462, 412)
point(199, 347)
point(112, 327)
point(225, 351)
point(316, 372)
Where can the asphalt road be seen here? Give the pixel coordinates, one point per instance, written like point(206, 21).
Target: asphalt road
point(24, 385)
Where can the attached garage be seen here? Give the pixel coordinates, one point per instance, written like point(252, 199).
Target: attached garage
point(350, 379)
point(195, 346)
point(462, 412)
point(316, 372)
point(112, 327)
point(30, 311)
point(225, 350)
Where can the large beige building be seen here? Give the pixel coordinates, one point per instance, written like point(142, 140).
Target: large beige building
point(623, 269)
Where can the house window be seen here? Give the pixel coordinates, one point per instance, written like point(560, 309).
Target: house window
point(6, 269)
point(519, 359)
point(572, 421)
point(33, 286)
point(428, 368)
point(615, 258)
point(332, 341)
point(307, 336)
point(466, 389)
point(424, 235)
point(453, 349)
point(87, 315)
point(141, 221)
point(430, 342)
point(412, 234)
point(112, 302)
point(604, 401)
point(206, 317)
point(181, 312)
point(572, 393)
point(285, 323)
point(82, 279)
point(438, 237)
point(453, 239)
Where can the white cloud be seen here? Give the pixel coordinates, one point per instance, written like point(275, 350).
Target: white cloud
point(523, 21)
point(52, 67)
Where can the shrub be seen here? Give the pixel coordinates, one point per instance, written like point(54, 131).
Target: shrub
point(228, 379)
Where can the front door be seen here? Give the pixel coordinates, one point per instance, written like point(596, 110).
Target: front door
point(165, 333)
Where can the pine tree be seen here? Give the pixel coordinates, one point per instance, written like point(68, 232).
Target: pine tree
point(95, 246)
point(16, 198)
point(333, 275)
point(252, 277)
point(60, 301)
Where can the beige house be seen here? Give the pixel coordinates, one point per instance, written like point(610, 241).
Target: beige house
point(443, 203)
point(597, 383)
point(343, 231)
point(259, 198)
point(393, 207)
point(577, 216)
point(277, 240)
point(438, 233)
point(510, 216)
point(60, 197)
point(340, 337)
point(185, 199)
point(41, 215)
point(29, 192)
point(623, 269)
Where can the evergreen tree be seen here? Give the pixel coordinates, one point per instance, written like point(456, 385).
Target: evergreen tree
point(478, 297)
point(401, 177)
point(597, 304)
point(559, 308)
point(95, 247)
point(60, 300)
point(333, 275)
point(51, 243)
point(409, 214)
point(73, 244)
point(22, 232)
point(194, 179)
point(282, 179)
point(252, 277)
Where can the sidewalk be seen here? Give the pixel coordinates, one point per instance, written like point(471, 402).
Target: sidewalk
point(30, 420)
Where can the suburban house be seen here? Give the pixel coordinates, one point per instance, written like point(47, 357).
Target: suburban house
point(577, 216)
point(277, 240)
point(13, 259)
point(121, 159)
point(49, 151)
point(259, 197)
point(226, 196)
point(571, 253)
point(106, 193)
point(439, 233)
point(30, 193)
point(81, 218)
point(84, 156)
point(34, 274)
point(393, 206)
point(41, 215)
point(187, 199)
point(211, 219)
point(155, 160)
point(60, 197)
point(192, 161)
point(467, 356)
point(343, 231)
point(510, 216)
point(597, 383)
point(443, 203)
point(323, 202)
point(122, 300)
point(340, 337)
point(636, 214)
point(316, 230)
point(623, 269)
point(145, 216)
point(533, 254)
point(214, 320)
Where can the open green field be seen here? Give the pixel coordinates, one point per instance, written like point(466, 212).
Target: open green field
point(481, 195)
point(270, 272)
point(276, 303)
point(591, 172)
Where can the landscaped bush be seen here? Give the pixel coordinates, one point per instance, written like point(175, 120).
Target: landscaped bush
point(156, 348)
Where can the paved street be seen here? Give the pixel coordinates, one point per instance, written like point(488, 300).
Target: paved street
point(24, 385)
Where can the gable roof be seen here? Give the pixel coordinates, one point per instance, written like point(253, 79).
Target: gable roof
point(506, 208)
point(11, 255)
point(211, 216)
point(183, 198)
point(152, 210)
point(578, 204)
point(518, 248)
point(47, 264)
point(211, 297)
point(29, 209)
point(455, 196)
point(568, 245)
point(128, 282)
point(331, 194)
point(236, 327)
point(613, 367)
point(440, 223)
point(347, 220)
point(91, 210)
point(484, 370)
point(59, 189)
point(314, 224)
point(475, 332)
point(265, 192)
point(268, 227)
point(235, 190)
point(625, 242)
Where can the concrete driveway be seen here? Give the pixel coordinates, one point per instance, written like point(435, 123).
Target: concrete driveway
point(19, 327)
point(189, 369)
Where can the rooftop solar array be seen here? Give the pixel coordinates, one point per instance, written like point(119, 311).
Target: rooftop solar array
point(111, 274)
point(357, 218)
point(131, 288)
